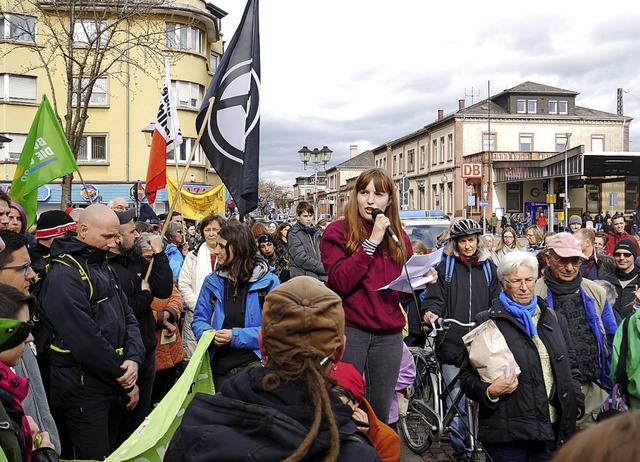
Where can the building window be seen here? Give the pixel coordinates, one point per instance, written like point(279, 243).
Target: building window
point(526, 142)
point(98, 93)
point(89, 32)
point(526, 106)
point(395, 165)
point(563, 107)
point(93, 148)
point(561, 142)
point(188, 94)
point(214, 61)
point(19, 88)
point(184, 151)
point(436, 198)
point(18, 27)
point(13, 150)
point(434, 152)
point(411, 154)
point(488, 142)
point(183, 37)
point(423, 157)
point(450, 144)
point(513, 197)
point(442, 149)
point(597, 143)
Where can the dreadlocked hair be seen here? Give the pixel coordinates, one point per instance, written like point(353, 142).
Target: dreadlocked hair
point(305, 366)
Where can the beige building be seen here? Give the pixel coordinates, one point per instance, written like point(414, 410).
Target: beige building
point(114, 151)
point(514, 144)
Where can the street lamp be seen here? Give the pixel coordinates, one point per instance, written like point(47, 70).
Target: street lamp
point(566, 182)
point(148, 133)
point(316, 157)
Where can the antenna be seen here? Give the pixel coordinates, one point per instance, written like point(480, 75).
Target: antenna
point(472, 94)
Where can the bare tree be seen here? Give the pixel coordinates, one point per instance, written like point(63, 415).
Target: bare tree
point(86, 41)
point(269, 192)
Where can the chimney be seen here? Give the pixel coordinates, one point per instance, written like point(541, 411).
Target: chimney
point(440, 113)
point(353, 151)
point(460, 104)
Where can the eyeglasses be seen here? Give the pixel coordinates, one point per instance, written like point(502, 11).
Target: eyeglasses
point(24, 268)
point(622, 255)
point(564, 261)
point(519, 282)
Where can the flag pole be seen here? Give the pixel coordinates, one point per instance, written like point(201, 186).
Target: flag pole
point(83, 184)
point(182, 178)
point(175, 158)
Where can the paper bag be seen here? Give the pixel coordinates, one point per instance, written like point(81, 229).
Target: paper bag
point(489, 353)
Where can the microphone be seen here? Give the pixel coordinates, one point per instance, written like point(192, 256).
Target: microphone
point(389, 231)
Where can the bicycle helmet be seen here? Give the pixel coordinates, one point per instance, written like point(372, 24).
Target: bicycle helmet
point(465, 227)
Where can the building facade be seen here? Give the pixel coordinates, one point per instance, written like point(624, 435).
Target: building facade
point(114, 150)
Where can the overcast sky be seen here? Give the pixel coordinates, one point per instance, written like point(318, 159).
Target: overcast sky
point(363, 72)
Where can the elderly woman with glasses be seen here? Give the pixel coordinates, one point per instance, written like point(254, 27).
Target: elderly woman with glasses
point(531, 408)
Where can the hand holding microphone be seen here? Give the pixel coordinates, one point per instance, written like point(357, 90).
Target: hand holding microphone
point(388, 230)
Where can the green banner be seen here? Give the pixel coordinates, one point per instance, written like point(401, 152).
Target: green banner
point(46, 156)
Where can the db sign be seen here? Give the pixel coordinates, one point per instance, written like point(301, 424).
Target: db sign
point(470, 170)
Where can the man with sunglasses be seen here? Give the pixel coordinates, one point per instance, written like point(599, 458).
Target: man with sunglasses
point(16, 271)
point(625, 278)
point(591, 319)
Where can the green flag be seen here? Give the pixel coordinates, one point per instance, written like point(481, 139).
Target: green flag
point(46, 156)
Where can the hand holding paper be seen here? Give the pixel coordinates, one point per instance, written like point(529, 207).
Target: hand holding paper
point(417, 266)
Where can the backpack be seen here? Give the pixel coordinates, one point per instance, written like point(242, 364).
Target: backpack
point(42, 328)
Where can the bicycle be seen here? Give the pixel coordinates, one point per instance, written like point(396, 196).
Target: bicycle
point(425, 420)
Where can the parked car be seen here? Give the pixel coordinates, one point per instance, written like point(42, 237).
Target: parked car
point(424, 225)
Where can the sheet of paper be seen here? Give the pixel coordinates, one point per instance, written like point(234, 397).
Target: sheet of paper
point(412, 276)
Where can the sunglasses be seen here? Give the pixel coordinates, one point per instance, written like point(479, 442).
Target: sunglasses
point(13, 332)
point(622, 255)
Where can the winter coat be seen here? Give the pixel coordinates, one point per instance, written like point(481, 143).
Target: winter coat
point(524, 414)
point(175, 259)
point(196, 267)
point(614, 238)
point(171, 353)
point(304, 253)
point(245, 422)
point(632, 367)
point(207, 316)
point(467, 294)
point(92, 337)
point(131, 270)
point(626, 300)
point(357, 278)
point(600, 317)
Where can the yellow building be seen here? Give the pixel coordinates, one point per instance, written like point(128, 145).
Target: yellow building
point(134, 38)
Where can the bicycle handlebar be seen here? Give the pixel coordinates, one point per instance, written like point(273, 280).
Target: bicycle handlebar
point(442, 324)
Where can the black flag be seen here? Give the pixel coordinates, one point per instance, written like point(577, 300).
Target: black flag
point(231, 139)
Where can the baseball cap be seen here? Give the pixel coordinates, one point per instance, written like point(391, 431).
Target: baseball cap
point(627, 244)
point(575, 219)
point(126, 216)
point(565, 245)
point(302, 316)
point(266, 237)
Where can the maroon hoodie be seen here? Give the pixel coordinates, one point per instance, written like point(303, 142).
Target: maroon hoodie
point(356, 279)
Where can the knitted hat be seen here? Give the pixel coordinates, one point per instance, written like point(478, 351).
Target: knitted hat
point(148, 215)
point(349, 378)
point(627, 244)
point(575, 219)
point(54, 223)
point(302, 316)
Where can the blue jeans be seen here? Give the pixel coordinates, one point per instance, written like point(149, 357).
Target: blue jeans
point(460, 422)
point(378, 357)
point(519, 451)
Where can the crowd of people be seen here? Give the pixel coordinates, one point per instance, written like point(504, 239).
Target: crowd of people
point(309, 348)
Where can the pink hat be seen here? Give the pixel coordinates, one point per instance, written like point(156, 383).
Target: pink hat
point(565, 245)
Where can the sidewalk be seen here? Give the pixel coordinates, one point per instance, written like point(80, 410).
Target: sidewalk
point(438, 452)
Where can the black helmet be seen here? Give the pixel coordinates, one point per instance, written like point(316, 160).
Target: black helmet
point(465, 227)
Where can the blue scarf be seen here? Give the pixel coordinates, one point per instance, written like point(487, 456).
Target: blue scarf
point(522, 313)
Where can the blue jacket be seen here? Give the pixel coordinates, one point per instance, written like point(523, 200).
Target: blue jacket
point(601, 319)
point(207, 317)
point(175, 259)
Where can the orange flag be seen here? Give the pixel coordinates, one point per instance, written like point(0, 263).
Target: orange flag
point(167, 130)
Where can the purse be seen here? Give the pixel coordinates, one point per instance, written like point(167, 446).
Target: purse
point(616, 402)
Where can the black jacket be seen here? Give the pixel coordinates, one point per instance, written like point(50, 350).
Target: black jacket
point(245, 422)
point(131, 270)
point(92, 337)
point(463, 298)
point(626, 297)
point(304, 253)
point(524, 414)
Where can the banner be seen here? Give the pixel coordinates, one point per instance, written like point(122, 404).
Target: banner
point(46, 156)
point(166, 136)
point(231, 139)
point(196, 206)
point(151, 439)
